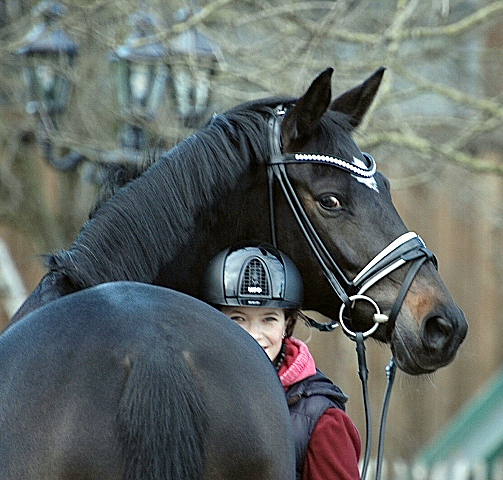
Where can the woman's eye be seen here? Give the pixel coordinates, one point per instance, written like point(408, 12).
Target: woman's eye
point(330, 202)
point(236, 318)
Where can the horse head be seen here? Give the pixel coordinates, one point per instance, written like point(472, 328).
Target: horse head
point(353, 217)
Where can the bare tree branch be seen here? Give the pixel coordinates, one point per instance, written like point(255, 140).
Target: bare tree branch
point(464, 25)
point(440, 152)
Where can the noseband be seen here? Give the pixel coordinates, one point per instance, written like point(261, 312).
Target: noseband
point(407, 248)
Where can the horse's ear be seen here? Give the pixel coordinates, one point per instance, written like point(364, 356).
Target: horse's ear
point(300, 121)
point(356, 102)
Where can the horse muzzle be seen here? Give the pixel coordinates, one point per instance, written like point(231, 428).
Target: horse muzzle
point(439, 339)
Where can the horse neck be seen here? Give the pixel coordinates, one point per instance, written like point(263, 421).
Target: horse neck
point(159, 217)
point(240, 216)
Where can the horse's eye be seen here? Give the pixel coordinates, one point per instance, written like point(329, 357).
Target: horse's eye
point(329, 202)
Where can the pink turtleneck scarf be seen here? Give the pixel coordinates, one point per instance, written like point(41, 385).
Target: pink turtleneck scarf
point(298, 364)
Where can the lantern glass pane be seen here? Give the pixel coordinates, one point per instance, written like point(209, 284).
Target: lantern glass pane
point(46, 79)
point(122, 70)
point(47, 83)
point(191, 81)
point(60, 94)
point(201, 91)
point(182, 86)
point(30, 80)
point(140, 83)
point(158, 89)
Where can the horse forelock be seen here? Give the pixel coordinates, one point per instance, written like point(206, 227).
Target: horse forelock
point(336, 132)
point(146, 222)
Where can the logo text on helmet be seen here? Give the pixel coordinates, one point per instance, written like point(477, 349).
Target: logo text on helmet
point(253, 302)
point(254, 290)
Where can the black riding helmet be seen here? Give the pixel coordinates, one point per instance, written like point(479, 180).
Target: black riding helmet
point(255, 275)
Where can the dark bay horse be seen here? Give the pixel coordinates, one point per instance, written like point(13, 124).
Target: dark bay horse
point(221, 186)
point(129, 381)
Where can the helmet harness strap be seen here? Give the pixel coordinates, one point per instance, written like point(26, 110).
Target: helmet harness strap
point(408, 248)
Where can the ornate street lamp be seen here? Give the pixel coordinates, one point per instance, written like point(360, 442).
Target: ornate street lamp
point(144, 69)
point(193, 64)
point(49, 52)
point(141, 75)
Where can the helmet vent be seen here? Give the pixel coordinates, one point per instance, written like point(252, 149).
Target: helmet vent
point(255, 279)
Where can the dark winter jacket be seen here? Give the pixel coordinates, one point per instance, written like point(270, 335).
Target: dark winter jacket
point(317, 405)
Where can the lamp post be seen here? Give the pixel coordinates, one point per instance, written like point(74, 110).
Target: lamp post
point(144, 68)
point(141, 75)
point(193, 65)
point(49, 53)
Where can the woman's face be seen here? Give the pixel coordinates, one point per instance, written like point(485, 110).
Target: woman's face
point(266, 325)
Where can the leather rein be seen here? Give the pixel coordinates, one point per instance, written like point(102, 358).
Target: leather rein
point(407, 248)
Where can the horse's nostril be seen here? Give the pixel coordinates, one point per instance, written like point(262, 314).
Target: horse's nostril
point(437, 331)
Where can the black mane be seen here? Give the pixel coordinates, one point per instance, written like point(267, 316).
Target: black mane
point(117, 175)
point(141, 227)
point(147, 222)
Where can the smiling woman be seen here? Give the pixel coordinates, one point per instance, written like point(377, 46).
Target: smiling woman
point(267, 326)
point(261, 290)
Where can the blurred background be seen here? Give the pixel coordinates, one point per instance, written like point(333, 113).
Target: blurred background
point(89, 84)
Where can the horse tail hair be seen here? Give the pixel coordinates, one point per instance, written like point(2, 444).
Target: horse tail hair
point(161, 419)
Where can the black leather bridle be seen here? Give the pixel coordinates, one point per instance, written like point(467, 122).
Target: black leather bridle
point(406, 249)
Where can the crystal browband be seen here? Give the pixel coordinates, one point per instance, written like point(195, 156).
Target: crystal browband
point(330, 160)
